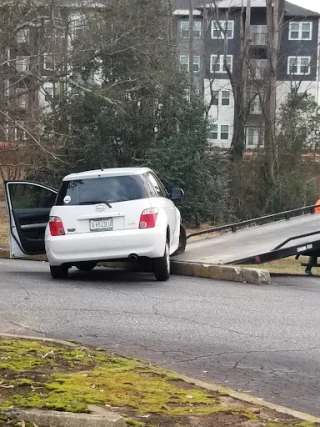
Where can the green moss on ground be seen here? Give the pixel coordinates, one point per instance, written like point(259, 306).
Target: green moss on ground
point(37, 375)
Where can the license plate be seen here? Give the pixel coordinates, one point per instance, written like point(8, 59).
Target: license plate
point(104, 224)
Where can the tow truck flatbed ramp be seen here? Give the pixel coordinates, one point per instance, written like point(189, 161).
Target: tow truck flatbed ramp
point(257, 244)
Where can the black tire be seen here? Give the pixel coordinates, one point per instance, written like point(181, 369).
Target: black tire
point(86, 266)
point(59, 272)
point(182, 241)
point(161, 266)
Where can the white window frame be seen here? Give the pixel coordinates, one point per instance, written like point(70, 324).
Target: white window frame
point(300, 31)
point(228, 98)
point(78, 26)
point(22, 100)
point(214, 126)
point(218, 95)
point(184, 64)
point(257, 136)
point(23, 35)
point(48, 88)
point(18, 129)
point(195, 29)
point(218, 126)
point(221, 64)
point(256, 107)
point(196, 61)
point(24, 62)
point(215, 27)
point(299, 60)
point(45, 67)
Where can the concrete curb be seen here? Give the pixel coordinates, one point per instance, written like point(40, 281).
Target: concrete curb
point(43, 418)
point(209, 271)
point(208, 386)
point(220, 272)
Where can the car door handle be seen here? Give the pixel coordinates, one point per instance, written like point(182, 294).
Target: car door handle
point(32, 226)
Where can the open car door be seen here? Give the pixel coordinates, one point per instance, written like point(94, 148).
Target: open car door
point(29, 205)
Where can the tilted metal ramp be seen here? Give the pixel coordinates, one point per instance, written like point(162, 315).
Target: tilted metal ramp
point(287, 235)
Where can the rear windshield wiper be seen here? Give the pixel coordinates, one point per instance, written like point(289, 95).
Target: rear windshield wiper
point(96, 202)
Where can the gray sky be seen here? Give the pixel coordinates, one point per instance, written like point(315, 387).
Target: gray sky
point(308, 4)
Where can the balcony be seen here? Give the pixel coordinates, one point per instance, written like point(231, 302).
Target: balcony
point(255, 107)
point(254, 137)
point(257, 69)
point(258, 35)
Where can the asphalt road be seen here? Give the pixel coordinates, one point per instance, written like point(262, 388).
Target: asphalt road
point(262, 340)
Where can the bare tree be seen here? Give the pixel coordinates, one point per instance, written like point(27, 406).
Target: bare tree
point(275, 15)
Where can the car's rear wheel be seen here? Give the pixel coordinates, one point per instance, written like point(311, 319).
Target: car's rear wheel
point(86, 266)
point(182, 241)
point(59, 272)
point(162, 265)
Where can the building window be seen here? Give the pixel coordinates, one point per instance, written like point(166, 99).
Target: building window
point(227, 28)
point(300, 31)
point(219, 132)
point(185, 29)
point(21, 97)
point(20, 133)
point(221, 98)
point(196, 64)
point(255, 106)
point(49, 91)
point(77, 27)
point(23, 36)
point(186, 94)
point(254, 136)
point(215, 98)
point(213, 131)
point(224, 134)
point(258, 68)
point(217, 63)
point(48, 62)
point(184, 63)
point(225, 97)
point(22, 64)
point(299, 65)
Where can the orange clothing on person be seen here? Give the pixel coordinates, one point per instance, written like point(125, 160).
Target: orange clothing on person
point(317, 209)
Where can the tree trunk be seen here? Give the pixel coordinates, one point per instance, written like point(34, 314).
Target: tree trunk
point(191, 46)
point(274, 23)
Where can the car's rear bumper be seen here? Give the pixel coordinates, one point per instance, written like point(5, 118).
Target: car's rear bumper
point(73, 248)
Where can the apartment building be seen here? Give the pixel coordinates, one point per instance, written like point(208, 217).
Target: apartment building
point(34, 61)
point(298, 60)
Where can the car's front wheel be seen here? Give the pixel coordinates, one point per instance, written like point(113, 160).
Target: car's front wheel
point(59, 272)
point(162, 265)
point(86, 266)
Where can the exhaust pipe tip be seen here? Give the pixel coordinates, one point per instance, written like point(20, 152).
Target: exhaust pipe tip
point(133, 257)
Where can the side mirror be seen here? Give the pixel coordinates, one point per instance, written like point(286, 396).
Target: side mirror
point(176, 193)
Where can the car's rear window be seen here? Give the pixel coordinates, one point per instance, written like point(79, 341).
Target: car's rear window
point(98, 190)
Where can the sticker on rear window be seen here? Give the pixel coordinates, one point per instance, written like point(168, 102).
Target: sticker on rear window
point(67, 199)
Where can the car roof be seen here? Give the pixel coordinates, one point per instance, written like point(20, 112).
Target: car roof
point(100, 173)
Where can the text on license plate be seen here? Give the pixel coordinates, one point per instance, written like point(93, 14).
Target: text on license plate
point(104, 224)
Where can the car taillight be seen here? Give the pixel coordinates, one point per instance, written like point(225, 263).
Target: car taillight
point(56, 226)
point(148, 218)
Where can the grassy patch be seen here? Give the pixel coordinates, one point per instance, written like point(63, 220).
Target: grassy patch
point(285, 266)
point(39, 375)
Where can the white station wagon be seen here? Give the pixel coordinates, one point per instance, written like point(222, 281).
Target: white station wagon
point(99, 215)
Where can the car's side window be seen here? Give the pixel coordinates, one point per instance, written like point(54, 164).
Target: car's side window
point(31, 196)
point(151, 191)
point(161, 192)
